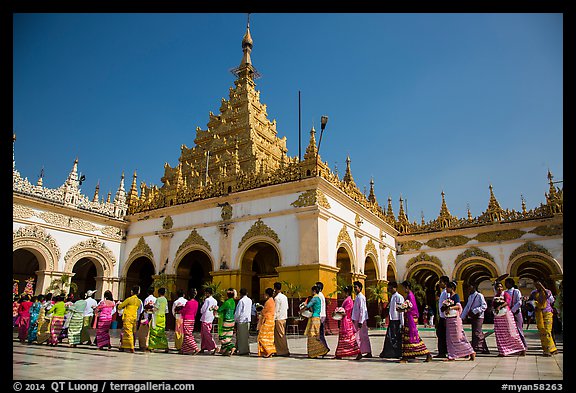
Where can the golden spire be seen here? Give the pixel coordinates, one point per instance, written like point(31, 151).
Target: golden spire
point(109, 195)
point(523, 204)
point(95, 198)
point(444, 212)
point(372, 197)
point(494, 211)
point(390, 212)
point(133, 194)
point(348, 175)
point(470, 219)
point(311, 150)
point(401, 214)
point(554, 198)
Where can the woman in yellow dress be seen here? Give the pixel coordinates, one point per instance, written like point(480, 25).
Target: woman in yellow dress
point(131, 307)
point(266, 347)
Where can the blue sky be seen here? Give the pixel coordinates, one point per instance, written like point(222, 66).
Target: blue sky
point(422, 103)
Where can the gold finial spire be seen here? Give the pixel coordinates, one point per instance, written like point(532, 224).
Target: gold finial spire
point(469, 214)
point(523, 204)
point(348, 175)
point(372, 197)
point(247, 44)
point(95, 198)
point(390, 212)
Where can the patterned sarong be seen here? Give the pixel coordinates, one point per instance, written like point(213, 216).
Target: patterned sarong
point(225, 336)
point(266, 345)
point(55, 329)
point(33, 325)
point(457, 343)
point(158, 339)
point(127, 335)
point(508, 340)
point(206, 340)
point(544, 325)
point(188, 342)
point(75, 328)
point(103, 332)
point(315, 346)
point(412, 349)
point(347, 344)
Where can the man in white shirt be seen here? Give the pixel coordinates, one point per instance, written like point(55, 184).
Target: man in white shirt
point(322, 313)
point(393, 341)
point(280, 316)
point(243, 316)
point(145, 319)
point(91, 304)
point(516, 305)
point(474, 310)
point(179, 323)
point(359, 322)
point(207, 342)
point(441, 321)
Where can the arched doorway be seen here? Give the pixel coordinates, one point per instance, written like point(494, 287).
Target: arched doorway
point(530, 270)
point(193, 271)
point(427, 279)
point(370, 281)
point(391, 273)
point(258, 266)
point(24, 265)
point(139, 273)
point(344, 264)
point(84, 276)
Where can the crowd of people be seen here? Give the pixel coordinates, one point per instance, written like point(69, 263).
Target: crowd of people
point(48, 319)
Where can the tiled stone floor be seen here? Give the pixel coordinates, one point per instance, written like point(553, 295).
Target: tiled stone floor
point(40, 362)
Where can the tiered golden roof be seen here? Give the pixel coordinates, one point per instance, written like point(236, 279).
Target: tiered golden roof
point(240, 150)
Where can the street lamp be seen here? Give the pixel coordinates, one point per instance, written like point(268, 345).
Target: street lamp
point(323, 121)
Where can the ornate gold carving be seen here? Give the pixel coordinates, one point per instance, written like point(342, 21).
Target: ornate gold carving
point(310, 198)
point(38, 233)
point(499, 236)
point(226, 212)
point(529, 247)
point(69, 195)
point(409, 245)
point(473, 252)
point(371, 248)
point(344, 237)
point(113, 232)
point(449, 241)
point(141, 249)
point(358, 220)
point(391, 259)
point(64, 221)
point(192, 239)
point(90, 248)
point(20, 211)
point(167, 223)
point(259, 229)
point(549, 230)
point(423, 257)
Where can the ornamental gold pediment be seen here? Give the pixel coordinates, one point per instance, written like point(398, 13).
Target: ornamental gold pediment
point(259, 229)
point(423, 257)
point(448, 241)
point(499, 236)
point(549, 230)
point(473, 252)
point(310, 198)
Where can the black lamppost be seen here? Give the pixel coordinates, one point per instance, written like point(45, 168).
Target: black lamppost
point(323, 121)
